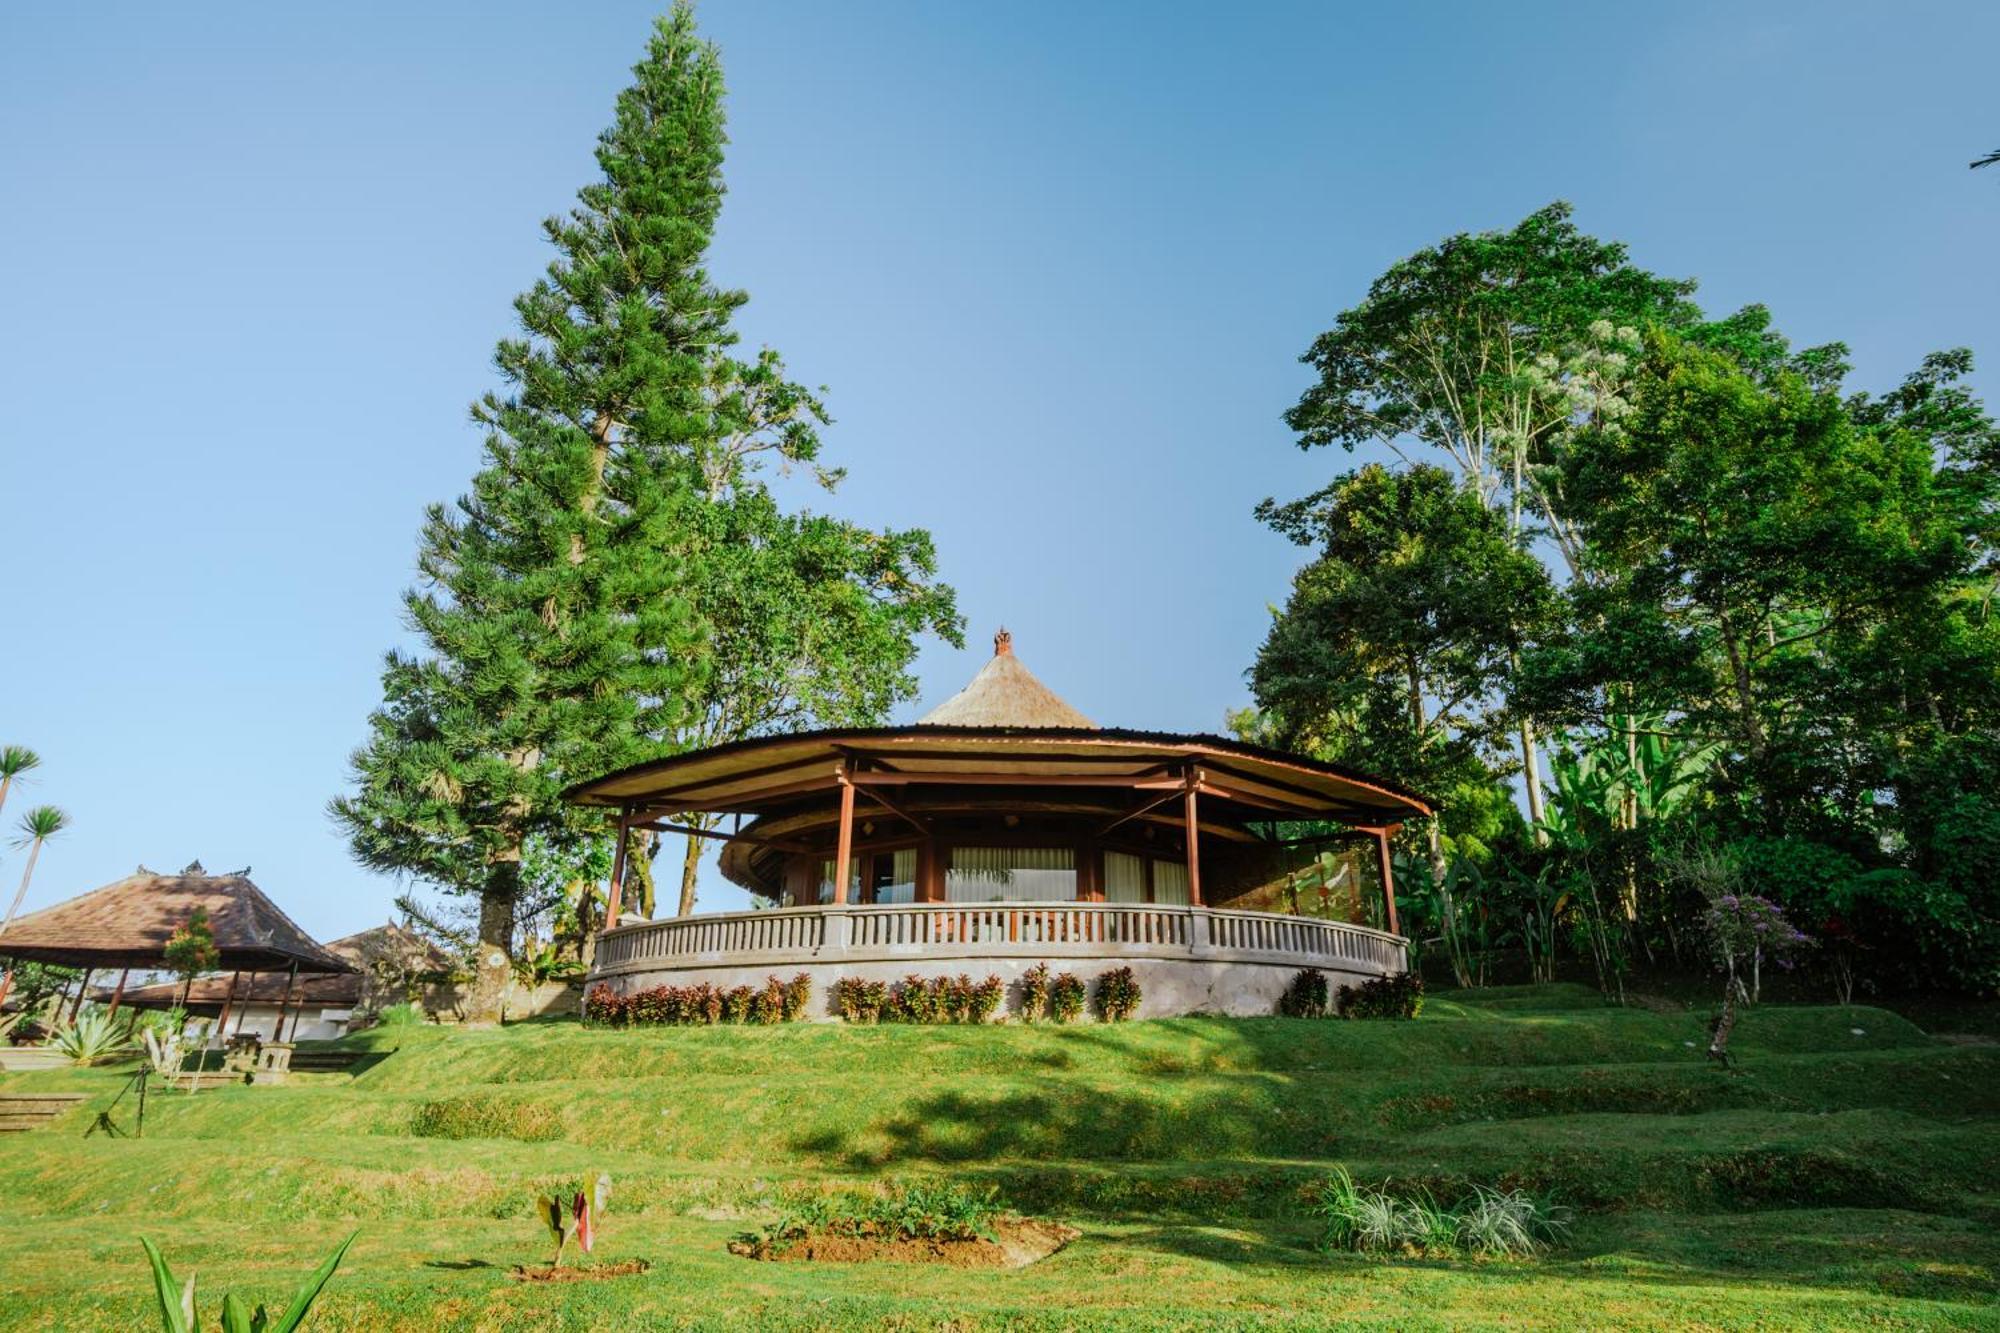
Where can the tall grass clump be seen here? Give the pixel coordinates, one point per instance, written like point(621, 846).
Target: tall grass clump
point(1491, 1223)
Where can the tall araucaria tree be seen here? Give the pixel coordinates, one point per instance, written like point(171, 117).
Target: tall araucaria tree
point(567, 617)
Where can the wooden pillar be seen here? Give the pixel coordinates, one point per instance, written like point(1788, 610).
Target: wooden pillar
point(228, 1001)
point(82, 989)
point(284, 1004)
point(1193, 842)
point(1388, 878)
point(614, 898)
point(119, 993)
point(843, 856)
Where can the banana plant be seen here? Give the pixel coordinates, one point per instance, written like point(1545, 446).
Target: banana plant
point(177, 1301)
point(566, 1215)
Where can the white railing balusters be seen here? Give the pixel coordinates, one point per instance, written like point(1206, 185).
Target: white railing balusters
point(956, 930)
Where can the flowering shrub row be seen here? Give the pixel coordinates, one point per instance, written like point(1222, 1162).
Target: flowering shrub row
point(774, 1002)
point(1400, 996)
point(960, 999)
point(957, 999)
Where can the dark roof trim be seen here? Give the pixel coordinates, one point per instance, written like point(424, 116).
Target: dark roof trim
point(580, 793)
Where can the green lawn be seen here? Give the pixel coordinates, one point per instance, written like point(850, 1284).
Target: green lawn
point(1844, 1176)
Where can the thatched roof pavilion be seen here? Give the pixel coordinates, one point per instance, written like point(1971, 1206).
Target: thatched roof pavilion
point(127, 924)
point(1001, 802)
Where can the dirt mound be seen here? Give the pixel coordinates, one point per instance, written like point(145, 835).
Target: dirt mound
point(586, 1273)
point(1021, 1241)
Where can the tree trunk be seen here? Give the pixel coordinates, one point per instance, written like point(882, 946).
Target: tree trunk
point(493, 965)
point(690, 868)
point(639, 872)
point(1531, 767)
point(27, 873)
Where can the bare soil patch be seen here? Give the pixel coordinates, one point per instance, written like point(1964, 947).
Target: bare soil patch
point(1021, 1241)
point(578, 1273)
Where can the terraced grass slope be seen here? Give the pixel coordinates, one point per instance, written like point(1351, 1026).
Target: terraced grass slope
point(1844, 1175)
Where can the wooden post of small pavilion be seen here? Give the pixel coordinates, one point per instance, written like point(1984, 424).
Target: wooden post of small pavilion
point(1193, 839)
point(844, 854)
point(118, 993)
point(278, 1032)
point(228, 1002)
point(1388, 876)
point(82, 989)
point(614, 898)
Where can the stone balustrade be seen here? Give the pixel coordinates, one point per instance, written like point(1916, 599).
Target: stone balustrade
point(940, 932)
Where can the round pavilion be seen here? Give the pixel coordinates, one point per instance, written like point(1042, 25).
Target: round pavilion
point(1004, 828)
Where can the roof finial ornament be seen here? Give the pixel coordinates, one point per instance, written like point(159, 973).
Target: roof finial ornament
point(193, 868)
point(1003, 643)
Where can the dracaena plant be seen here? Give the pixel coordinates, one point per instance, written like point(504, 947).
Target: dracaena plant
point(567, 1215)
point(177, 1301)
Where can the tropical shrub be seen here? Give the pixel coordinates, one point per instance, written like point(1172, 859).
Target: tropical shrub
point(399, 1016)
point(915, 1000)
point(917, 1210)
point(796, 997)
point(1489, 1222)
point(1398, 996)
point(860, 1001)
point(1118, 994)
point(1066, 996)
point(567, 1214)
point(1035, 993)
point(985, 1000)
point(27, 1032)
point(92, 1036)
point(956, 999)
point(1305, 997)
point(177, 1302)
point(679, 1006)
point(602, 1007)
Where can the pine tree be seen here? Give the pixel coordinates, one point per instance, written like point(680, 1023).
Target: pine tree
point(620, 584)
point(555, 643)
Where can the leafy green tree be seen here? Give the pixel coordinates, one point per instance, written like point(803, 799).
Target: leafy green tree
point(810, 621)
point(37, 827)
point(1738, 527)
point(1479, 348)
point(1396, 637)
point(14, 761)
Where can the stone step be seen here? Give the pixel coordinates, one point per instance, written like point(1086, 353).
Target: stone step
point(23, 1111)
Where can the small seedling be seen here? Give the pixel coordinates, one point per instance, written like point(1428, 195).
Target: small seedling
point(567, 1215)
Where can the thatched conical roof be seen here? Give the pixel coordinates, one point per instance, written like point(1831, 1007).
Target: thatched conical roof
point(1005, 694)
point(128, 923)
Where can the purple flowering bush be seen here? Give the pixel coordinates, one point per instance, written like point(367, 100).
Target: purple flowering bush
point(1747, 930)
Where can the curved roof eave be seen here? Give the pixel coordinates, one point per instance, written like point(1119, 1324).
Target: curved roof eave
point(625, 787)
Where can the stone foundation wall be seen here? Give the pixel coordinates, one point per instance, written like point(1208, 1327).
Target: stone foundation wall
point(1169, 987)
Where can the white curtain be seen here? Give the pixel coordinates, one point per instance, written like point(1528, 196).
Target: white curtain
point(1124, 878)
point(1011, 874)
point(1170, 883)
point(902, 885)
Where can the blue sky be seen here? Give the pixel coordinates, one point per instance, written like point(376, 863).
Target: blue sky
point(1055, 264)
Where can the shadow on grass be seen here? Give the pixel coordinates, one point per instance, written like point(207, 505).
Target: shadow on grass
point(460, 1265)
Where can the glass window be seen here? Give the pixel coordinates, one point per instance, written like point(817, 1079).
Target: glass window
point(1170, 883)
point(853, 881)
point(1124, 878)
point(1011, 874)
point(894, 878)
